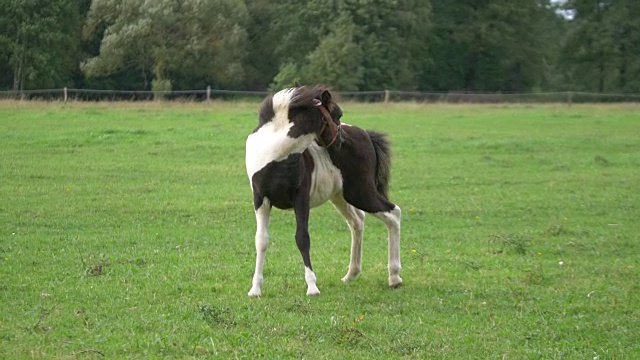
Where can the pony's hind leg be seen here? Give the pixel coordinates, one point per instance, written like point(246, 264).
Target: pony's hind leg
point(392, 219)
point(355, 219)
point(262, 241)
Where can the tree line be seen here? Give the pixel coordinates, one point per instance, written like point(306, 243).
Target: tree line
point(351, 45)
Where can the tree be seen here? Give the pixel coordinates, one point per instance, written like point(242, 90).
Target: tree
point(496, 45)
point(38, 42)
point(170, 42)
point(283, 33)
point(261, 64)
point(602, 51)
point(589, 48)
point(356, 44)
point(627, 48)
point(394, 38)
point(337, 61)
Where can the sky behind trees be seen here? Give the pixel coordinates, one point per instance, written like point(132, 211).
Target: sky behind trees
point(351, 45)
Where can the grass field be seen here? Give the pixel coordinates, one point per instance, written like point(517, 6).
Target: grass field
point(127, 231)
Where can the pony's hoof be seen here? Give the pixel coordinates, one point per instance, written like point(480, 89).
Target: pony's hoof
point(395, 282)
point(349, 278)
point(313, 292)
point(254, 293)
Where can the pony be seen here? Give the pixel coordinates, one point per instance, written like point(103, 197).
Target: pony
point(299, 156)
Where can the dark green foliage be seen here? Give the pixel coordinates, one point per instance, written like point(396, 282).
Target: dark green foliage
point(498, 45)
point(169, 42)
point(428, 45)
point(39, 43)
point(602, 52)
point(351, 45)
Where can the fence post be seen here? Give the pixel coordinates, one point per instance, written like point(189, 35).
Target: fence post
point(569, 98)
point(208, 93)
point(65, 94)
point(386, 96)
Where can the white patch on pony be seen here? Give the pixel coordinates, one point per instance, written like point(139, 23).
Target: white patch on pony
point(271, 142)
point(326, 178)
point(310, 278)
point(281, 101)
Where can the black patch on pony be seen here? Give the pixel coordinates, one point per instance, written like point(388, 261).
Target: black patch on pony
point(364, 160)
point(265, 114)
point(282, 181)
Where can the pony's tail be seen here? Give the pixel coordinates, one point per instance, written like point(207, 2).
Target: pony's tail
point(383, 161)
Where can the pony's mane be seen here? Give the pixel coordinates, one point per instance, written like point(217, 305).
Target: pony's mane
point(304, 95)
point(282, 99)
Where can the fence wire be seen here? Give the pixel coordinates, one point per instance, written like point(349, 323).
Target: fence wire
point(71, 94)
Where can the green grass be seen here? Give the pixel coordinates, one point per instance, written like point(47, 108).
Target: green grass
point(126, 230)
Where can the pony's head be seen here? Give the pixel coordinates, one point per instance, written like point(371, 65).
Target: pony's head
point(304, 110)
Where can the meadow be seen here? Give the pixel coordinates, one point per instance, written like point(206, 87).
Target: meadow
point(126, 231)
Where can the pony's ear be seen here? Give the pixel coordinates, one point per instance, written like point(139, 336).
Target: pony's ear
point(297, 84)
point(326, 97)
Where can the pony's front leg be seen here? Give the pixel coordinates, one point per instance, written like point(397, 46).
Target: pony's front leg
point(262, 241)
point(392, 220)
point(304, 244)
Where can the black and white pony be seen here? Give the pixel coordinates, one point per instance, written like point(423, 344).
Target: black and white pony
point(300, 156)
